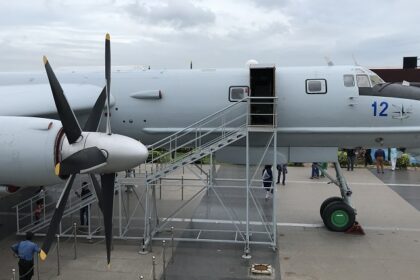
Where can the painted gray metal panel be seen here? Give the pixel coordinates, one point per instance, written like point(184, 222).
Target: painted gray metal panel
point(313, 154)
point(37, 100)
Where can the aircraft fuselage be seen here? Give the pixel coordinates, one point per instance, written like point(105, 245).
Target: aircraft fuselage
point(340, 117)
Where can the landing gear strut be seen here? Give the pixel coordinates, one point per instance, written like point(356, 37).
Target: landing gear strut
point(337, 212)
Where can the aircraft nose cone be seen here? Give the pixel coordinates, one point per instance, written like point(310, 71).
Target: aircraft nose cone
point(392, 90)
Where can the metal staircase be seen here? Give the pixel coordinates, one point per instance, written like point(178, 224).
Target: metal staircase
point(25, 211)
point(251, 115)
point(184, 147)
point(198, 140)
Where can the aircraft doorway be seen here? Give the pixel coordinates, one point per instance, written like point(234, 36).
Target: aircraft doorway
point(262, 84)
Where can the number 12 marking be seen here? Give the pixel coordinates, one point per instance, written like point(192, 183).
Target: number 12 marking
point(383, 105)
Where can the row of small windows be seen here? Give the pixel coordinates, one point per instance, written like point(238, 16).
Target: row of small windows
point(319, 86)
point(315, 86)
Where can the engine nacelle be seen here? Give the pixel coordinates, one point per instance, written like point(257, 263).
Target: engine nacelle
point(28, 151)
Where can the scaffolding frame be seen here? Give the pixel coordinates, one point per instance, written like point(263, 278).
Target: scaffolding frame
point(157, 228)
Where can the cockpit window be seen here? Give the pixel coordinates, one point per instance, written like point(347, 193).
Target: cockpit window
point(362, 81)
point(376, 80)
point(348, 80)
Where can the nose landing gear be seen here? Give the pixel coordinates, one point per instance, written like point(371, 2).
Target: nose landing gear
point(336, 212)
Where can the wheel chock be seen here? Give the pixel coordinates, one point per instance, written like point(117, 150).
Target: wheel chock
point(356, 228)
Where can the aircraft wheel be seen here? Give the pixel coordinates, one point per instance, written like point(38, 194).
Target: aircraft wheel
point(338, 216)
point(327, 202)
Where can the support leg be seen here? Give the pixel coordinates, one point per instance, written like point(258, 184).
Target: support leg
point(345, 190)
point(247, 250)
point(146, 234)
point(155, 214)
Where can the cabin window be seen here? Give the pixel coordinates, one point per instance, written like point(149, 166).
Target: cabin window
point(362, 81)
point(348, 80)
point(238, 93)
point(316, 86)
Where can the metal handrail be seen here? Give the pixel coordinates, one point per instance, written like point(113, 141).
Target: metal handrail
point(200, 121)
point(25, 210)
point(205, 128)
point(204, 147)
point(207, 132)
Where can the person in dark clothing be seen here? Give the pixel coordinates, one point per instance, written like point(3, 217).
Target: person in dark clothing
point(25, 251)
point(380, 157)
point(315, 171)
point(267, 178)
point(351, 157)
point(281, 168)
point(84, 212)
point(38, 210)
point(368, 157)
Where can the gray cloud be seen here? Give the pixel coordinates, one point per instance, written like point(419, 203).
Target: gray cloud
point(178, 14)
point(212, 33)
point(272, 3)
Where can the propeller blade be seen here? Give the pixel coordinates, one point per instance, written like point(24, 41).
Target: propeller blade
point(98, 191)
point(82, 161)
point(108, 80)
point(94, 119)
point(68, 119)
point(56, 219)
point(107, 181)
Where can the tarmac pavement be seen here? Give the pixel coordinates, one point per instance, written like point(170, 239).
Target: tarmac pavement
point(306, 250)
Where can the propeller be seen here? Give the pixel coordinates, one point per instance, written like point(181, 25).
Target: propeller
point(108, 81)
point(103, 154)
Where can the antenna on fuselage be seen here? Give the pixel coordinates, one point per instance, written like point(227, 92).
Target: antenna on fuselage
point(191, 64)
point(329, 61)
point(251, 62)
point(354, 60)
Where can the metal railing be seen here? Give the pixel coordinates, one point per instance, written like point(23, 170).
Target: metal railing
point(211, 134)
point(217, 124)
point(35, 213)
point(198, 140)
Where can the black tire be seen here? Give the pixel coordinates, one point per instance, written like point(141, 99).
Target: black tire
point(328, 201)
point(339, 216)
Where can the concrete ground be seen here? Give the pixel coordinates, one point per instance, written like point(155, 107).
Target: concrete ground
point(306, 250)
point(389, 250)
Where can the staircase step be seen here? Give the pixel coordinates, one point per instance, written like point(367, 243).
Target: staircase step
point(219, 144)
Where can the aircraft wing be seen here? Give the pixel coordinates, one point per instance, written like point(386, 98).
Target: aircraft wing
point(36, 100)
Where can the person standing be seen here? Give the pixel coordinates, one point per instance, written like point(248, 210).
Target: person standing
point(351, 157)
point(281, 168)
point(379, 157)
point(323, 169)
point(368, 157)
point(84, 212)
point(267, 178)
point(394, 155)
point(25, 250)
point(130, 173)
point(38, 210)
point(315, 171)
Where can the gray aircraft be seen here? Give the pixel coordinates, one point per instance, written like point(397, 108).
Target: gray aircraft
point(316, 109)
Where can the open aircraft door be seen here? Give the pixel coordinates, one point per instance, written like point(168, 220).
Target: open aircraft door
point(262, 84)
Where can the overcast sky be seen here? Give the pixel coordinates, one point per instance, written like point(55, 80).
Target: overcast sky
point(211, 33)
